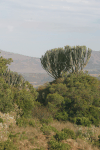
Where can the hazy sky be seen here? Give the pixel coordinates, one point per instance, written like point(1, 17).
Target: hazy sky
point(31, 27)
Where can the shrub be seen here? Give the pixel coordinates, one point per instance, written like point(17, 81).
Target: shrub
point(94, 121)
point(25, 101)
point(54, 98)
point(55, 145)
point(99, 137)
point(1, 120)
point(45, 129)
point(83, 121)
point(69, 133)
point(6, 100)
point(61, 116)
point(61, 136)
point(32, 123)
point(53, 129)
point(50, 119)
point(7, 145)
point(97, 143)
point(22, 122)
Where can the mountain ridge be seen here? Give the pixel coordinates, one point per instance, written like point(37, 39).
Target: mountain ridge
point(31, 66)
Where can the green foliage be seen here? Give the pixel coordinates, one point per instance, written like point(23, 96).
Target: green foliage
point(53, 129)
point(45, 129)
point(10, 82)
point(25, 101)
point(56, 61)
point(99, 137)
point(55, 99)
point(69, 132)
point(6, 98)
point(1, 120)
point(3, 64)
point(97, 143)
point(60, 88)
point(8, 145)
point(32, 123)
point(22, 122)
point(61, 136)
point(55, 145)
point(13, 79)
point(65, 134)
point(11, 136)
point(78, 96)
point(47, 121)
point(82, 121)
point(61, 116)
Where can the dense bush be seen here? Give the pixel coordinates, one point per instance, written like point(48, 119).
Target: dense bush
point(82, 121)
point(6, 97)
point(75, 96)
point(69, 132)
point(55, 145)
point(64, 134)
point(61, 136)
point(1, 120)
point(22, 122)
point(8, 145)
point(61, 116)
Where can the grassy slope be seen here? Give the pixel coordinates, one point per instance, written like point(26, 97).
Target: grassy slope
point(31, 136)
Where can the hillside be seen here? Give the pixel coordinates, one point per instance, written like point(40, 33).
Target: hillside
point(32, 71)
point(61, 115)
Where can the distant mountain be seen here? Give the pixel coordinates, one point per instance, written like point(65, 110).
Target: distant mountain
point(32, 71)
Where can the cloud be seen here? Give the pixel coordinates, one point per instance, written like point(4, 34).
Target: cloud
point(52, 15)
point(10, 28)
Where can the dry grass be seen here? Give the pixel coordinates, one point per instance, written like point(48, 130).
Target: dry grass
point(35, 137)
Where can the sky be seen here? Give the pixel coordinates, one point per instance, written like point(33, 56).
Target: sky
point(31, 27)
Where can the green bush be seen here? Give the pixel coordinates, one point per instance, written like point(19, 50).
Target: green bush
point(22, 122)
point(97, 143)
point(55, 145)
point(13, 135)
point(99, 137)
point(32, 123)
point(8, 145)
point(6, 100)
point(61, 116)
point(83, 121)
point(94, 121)
point(1, 120)
point(49, 120)
point(54, 99)
point(46, 129)
point(25, 101)
point(53, 129)
point(69, 133)
point(61, 136)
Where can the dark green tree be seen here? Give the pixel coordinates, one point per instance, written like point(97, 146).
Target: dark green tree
point(3, 63)
point(59, 61)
